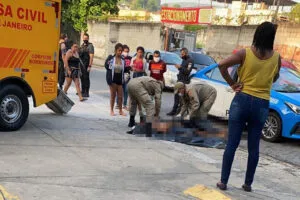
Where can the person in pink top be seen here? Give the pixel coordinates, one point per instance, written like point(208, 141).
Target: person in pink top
point(139, 63)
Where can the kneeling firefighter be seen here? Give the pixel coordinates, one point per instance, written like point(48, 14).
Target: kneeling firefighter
point(197, 100)
point(140, 91)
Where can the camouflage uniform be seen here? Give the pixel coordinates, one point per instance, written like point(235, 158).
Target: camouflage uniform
point(140, 91)
point(198, 100)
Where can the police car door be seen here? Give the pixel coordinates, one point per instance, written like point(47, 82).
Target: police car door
point(224, 94)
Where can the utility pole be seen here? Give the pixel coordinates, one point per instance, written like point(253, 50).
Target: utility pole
point(276, 12)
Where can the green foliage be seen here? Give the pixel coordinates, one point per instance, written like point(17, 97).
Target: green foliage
point(295, 14)
point(199, 45)
point(149, 5)
point(152, 5)
point(194, 27)
point(77, 12)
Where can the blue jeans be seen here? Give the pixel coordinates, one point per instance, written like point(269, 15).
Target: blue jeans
point(253, 111)
point(125, 95)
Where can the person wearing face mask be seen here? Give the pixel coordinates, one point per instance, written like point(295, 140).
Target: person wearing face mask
point(197, 100)
point(87, 57)
point(127, 59)
point(183, 76)
point(157, 67)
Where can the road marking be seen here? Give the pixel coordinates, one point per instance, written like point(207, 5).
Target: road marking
point(204, 193)
point(4, 195)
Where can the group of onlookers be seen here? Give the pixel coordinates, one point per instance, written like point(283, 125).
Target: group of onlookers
point(75, 63)
point(121, 68)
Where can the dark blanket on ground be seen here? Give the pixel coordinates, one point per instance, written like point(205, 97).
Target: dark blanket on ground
point(185, 134)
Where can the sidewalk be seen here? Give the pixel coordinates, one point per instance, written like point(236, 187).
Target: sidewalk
point(86, 155)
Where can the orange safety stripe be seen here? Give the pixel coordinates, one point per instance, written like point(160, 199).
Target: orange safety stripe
point(4, 52)
point(23, 59)
point(14, 60)
point(17, 65)
point(11, 55)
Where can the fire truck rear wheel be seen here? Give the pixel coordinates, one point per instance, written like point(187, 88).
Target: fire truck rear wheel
point(14, 108)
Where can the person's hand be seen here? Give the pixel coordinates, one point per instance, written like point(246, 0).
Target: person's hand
point(89, 68)
point(69, 72)
point(237, 87)
point(177, 66)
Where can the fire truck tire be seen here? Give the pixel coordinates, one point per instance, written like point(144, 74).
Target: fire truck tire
point(14, 108)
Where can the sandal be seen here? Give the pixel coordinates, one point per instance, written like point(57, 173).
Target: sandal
point(222, 186)
point(247, 188)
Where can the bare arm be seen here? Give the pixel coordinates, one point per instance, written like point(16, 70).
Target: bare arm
point(279, 67)
point(63, 50)
point(235, 59)
point(91, 59)
point(67, 57)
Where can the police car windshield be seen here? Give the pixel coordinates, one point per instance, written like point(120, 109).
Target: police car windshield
point(171, 58)
point(288, 82)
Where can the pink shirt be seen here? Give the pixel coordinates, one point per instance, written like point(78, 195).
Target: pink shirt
point(138, 65)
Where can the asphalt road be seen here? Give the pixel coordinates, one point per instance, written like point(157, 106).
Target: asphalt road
point(287, 150)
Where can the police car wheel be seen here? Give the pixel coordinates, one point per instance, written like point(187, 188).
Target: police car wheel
point(272, 128)
point(14, 108)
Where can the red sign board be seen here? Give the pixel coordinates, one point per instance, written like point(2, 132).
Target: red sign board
point(186, 15)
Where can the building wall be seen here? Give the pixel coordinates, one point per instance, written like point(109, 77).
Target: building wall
point(104, 36)
point(99, 36)
point(220, 41)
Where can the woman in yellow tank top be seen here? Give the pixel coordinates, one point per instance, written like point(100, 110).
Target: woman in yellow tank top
point(259, 68)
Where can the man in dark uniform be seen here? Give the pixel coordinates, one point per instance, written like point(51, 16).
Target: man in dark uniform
point(62, 53)
point(183, 76)
point(87, 57)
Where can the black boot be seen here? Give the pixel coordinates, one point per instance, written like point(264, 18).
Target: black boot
point(172, 113)
point(142, 119)
point(131, 122)
point(83, 92)
point(131, 132)
point(148, 129)
point(87, 92)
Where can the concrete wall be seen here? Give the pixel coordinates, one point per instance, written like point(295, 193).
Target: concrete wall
point(220, 41)
point(99, 36)
point(104, 36)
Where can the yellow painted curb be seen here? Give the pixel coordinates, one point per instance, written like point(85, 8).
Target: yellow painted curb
point(6, 195)
point(204, 193)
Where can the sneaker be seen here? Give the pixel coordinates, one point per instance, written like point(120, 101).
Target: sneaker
point(172, 113)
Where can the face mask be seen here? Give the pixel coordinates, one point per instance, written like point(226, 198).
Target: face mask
point(125, 54)
point(156, 59)
point(180, 94)
point(85, 41)
point(184, 57)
